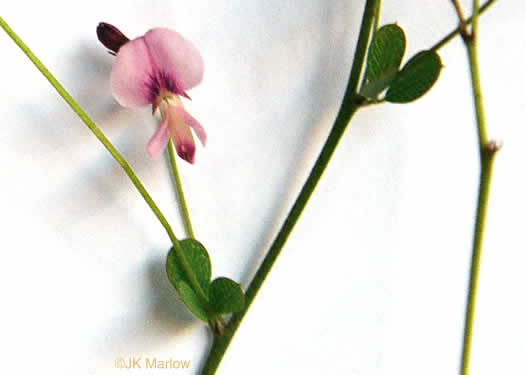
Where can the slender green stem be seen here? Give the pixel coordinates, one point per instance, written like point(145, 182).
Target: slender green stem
point(221, 343)
point(351, 103)
point(475, 17)
point(462, 22)
point(180, 192)
point(360, 51)
point(456, 32)
point(487, 151)
point(476, 88)
point(377, 16)
point(483, 195)
point(112, 150)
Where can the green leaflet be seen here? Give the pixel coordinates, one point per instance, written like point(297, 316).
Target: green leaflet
point(226, 296)
point(384, 58)
point(416, 78)
point(192, 301)
point(199, 261)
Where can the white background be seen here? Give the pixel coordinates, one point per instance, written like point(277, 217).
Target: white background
point(373, 279)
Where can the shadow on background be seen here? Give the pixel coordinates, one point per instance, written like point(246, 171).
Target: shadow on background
point(164, 318)
point(58, 134)
point(127, 129)
point(318, 116)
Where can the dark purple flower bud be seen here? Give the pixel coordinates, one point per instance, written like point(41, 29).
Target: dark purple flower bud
point(111, 37)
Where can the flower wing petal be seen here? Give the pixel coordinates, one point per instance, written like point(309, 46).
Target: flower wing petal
point(131, 77)
point(191, 121)
point(175, 58)
point(160, 139)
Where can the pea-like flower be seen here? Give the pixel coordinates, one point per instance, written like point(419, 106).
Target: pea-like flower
point(157, 68)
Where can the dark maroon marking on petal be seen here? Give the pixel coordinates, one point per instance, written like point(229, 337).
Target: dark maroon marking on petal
point(153, 87)
point(187, 152)
point(160, 81)
point(111, 37)
point(168, 82)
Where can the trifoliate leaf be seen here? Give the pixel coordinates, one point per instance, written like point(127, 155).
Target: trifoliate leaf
point(226, 296)
point(384, 58)
point(417, 77)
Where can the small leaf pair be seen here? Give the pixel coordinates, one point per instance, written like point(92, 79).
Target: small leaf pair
point(223, 296)
point(386, 52)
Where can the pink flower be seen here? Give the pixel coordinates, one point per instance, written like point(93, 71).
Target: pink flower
point(158, 68)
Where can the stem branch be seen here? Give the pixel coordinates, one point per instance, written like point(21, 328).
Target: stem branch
point(351, 103)
point(472, 50)
point(487, 151)
point(377, 16)
point(462, 23)
point(483, 195)
point(457, 31)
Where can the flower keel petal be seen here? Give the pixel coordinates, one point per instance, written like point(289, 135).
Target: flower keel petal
point(181, 136)
point(188, 119)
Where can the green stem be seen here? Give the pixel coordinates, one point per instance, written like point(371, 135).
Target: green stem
point(360, 52)
point(483, 195)
point(377, 16)
point(180, 192)
point(487, 151)
point(475, 17)
point(112, 150)
point(476, 88)
point(462, 23)
point(456, 32)
point(351, 103)
point(472, 49)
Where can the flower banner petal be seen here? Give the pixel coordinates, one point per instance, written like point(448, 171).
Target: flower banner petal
point(175, 58)
point(132, 75)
